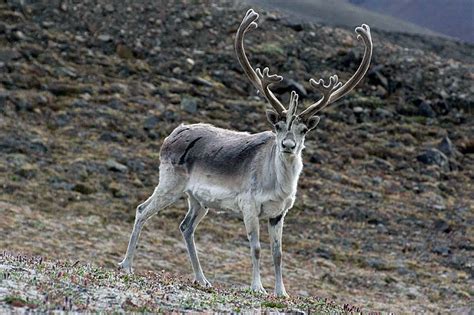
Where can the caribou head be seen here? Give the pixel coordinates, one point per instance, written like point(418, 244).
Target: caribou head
point(289, 125)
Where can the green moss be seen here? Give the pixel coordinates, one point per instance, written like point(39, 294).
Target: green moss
point(367, 101)
point(273, 304)
point(269, 49)
point(17, 301)
point(418, 119)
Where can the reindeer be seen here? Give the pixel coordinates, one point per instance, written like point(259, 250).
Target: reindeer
point(254, 174)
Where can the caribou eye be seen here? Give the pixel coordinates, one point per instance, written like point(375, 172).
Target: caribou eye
point(278, 127)
point(304, 130)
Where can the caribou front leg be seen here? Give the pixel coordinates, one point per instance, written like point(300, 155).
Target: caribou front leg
point(253, 233)
point(275, 228)
point(195, 214)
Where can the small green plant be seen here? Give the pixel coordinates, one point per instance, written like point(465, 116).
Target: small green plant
point(273, 304)
point(270, 49)
point(418, 119)
point(17, 301)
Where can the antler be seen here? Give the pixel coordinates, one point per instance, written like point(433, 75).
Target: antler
point(335, 90)
point(261, 80)
point(291, 113)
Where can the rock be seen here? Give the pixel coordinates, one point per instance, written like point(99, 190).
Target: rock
point(383, 113)
point(442, 226)
point(116, 166)
point(412, 293)
point(381, 92)
point(109, 8)
point(123, 51)
point(272, 17)
point(441, 250)
point(104, 38)
point(434, 156)
point(446, 146)
point(325, 253)
point(383, 164)
point(424, 109)
point(27, 170)
point(376, 76)
point(151, 123)
point(296, 26)
point(289, 85)
point(190, 62)
point(318, 157)
point(79, 103)
point(84, 188)
point(116, 190)
point(202, 81)
point(109, 136)
point(7, 55)
point(63, 89)
point(22, 104)
point(198, 25)
point(189, 105)
point(119, 88)
point(377, 263)
point(19, 35)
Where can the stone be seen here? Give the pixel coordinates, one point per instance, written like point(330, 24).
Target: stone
point(441, 250)
point(116, 190)
point(109, 8)
point(446, 146)
point(20, 36)
point(27, 170)
point(202, 81)
point(377, 263)
point(190, 62)
point(383, 113)
point(434, 156)
point(296, 26)
point(151, 122)
point(425, 109)
point(289, 85)
point(119, 88)
point(104, 38)
point(189, 105)
point(116, 166)
point(22, 104)
point(84, 188)
point(377, 77)
point(7, 55)
point(442, 225)
point(123, 51)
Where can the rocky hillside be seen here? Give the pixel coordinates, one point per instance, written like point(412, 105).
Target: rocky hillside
point(89, 89)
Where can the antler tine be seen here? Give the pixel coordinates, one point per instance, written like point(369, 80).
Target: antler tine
point(292, 107)
point(335, 90)
point(261, 80)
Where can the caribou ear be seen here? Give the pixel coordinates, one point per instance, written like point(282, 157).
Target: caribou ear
point(312, 122)
point(272, 116)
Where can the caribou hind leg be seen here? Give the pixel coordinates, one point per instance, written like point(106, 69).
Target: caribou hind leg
point(195, 214)
point(168, 191)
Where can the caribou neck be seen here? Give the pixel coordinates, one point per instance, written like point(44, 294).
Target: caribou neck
point(287, 169)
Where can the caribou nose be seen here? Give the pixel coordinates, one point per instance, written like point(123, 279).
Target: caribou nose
point(288, 144)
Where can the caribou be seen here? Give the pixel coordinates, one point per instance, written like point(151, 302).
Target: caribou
point(253, 174)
